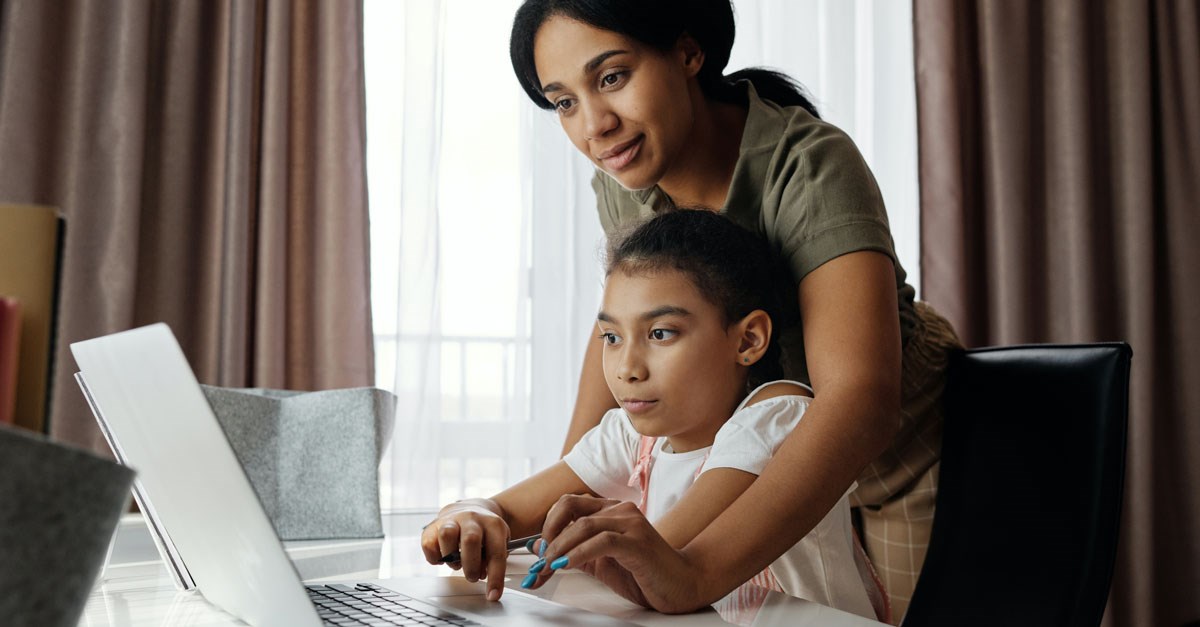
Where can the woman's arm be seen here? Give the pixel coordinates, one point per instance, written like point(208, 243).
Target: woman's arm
point(852, 343)
point(594, 397)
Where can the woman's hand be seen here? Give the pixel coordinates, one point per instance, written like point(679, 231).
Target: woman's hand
point(477, 531)
point(613, 541)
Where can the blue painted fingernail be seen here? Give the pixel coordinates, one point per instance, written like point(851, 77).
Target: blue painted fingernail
point(558, 563)
point(529, 580)
point(529, 545)
point(542, 550)
point(537, 567)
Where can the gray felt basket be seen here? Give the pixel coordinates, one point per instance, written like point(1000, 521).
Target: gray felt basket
point(312, 457)
point(59, 507)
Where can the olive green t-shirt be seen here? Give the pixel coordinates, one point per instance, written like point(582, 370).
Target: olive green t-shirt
point(800, 184)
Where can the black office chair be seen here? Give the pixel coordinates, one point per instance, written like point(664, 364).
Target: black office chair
point(1033, 462)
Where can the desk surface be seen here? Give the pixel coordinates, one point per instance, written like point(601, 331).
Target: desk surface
point(136, 589)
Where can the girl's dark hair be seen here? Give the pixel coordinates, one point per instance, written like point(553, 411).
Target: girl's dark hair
point(729, 266)
point(659, 24)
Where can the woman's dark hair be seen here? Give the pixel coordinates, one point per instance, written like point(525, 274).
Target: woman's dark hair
point(729, 266)
point(659, 24)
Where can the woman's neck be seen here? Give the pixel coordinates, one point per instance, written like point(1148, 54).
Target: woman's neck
point(702, 172)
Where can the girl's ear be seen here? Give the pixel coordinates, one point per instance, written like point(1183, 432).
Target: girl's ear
point(755, 333)
point(690, 53)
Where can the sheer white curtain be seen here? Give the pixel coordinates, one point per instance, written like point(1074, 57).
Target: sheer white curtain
point(485, 241)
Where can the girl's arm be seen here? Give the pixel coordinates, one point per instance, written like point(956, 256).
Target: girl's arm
point(852, 341)
point(594, 397)
point(479, 528)
point(714, 490)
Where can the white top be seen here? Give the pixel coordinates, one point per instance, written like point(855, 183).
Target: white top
point(820, 567)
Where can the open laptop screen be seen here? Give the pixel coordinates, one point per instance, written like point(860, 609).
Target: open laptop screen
point(153, 405)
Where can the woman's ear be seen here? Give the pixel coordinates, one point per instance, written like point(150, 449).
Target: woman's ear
point(690, 53)
point(754, 333)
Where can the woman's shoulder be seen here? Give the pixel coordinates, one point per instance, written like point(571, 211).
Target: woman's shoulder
point(770, 126)
point(618, 206)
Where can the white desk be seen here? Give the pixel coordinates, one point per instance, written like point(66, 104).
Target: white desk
point(137, 591)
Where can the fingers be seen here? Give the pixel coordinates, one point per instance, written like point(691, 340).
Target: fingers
point(479, 541)
point(497, 560)
point(570, 508)
point(447, 540)
point(430, 546)
point(601, 534)
point(470, 547)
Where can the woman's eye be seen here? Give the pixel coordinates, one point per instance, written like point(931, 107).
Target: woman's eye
point(608, 80)
point(663, 334)
point(564, 105)
point(610, 337)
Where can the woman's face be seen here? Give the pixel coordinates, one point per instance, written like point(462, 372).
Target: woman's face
point(626, 106)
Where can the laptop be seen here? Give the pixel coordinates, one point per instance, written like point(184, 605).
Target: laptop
point(211, 527)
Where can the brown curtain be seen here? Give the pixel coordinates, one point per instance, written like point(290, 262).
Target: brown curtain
point(209, 159)
point(1060, 202)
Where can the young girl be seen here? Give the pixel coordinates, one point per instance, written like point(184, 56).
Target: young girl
point(688, 354)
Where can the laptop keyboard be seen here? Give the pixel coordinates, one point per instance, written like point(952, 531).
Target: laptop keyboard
point(368, 604)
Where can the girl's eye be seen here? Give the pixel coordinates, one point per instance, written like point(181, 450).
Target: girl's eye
point(564, 105)
point(663, 334)
point(610, 338)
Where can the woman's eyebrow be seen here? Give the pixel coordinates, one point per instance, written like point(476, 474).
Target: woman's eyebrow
point(588, 68)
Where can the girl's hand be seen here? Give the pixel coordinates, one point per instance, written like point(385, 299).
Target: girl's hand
point(479, 535)
point(613, 541)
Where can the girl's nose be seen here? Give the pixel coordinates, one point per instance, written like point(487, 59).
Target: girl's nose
point(631, 368)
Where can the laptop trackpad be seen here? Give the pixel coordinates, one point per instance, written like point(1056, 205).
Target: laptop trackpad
point(522, 610)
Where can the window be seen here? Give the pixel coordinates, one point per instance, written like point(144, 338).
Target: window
point(485, 273)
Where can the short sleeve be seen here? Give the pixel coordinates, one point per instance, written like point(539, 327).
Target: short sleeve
point(604, 202)
point(605, 456)
point(827, 203)
point(752, 435)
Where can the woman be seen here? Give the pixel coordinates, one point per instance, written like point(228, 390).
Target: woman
point(639, 90)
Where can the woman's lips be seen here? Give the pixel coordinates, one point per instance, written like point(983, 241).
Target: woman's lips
point(637, 406)
point(614, 161)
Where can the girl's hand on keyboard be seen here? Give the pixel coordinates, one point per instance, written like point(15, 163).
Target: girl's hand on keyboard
point(475, 530)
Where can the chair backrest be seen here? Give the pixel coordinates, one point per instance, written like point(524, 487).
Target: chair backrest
point(1029, 497)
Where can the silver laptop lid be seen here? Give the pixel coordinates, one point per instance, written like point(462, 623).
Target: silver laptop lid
point(155, 409)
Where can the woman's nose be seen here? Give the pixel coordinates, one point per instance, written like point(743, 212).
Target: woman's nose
point(598, 119)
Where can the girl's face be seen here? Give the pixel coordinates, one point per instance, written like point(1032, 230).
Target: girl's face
point(669, 359)
point(626, 106)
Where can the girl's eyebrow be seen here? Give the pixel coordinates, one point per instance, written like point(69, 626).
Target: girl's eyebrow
point(658, 312)
point(587, 68)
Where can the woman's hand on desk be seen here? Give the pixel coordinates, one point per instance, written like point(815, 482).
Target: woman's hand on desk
point(477, 531)
point(612, 541)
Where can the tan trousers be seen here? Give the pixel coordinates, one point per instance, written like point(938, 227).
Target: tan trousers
point(896, 492)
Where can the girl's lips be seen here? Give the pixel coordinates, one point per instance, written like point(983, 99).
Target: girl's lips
point(618, 161)
point(637, 407)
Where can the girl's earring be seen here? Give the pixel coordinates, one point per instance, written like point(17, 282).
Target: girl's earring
point(745, 360)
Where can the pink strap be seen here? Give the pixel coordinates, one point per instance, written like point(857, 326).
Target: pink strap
point(640, 478)
point(880, 602)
